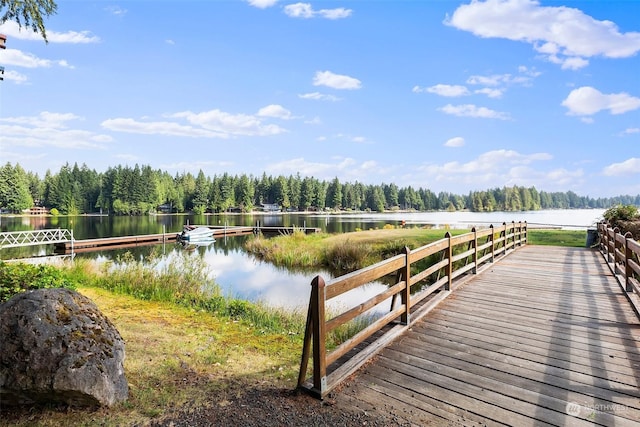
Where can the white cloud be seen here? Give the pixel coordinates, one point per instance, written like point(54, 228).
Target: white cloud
point(561, 34)
point(48, 130)
point(14, 76)
point(45, 119)
point(11, 29)
point(306, 11)
point(470, 110)
point(207, 124)
point(315, 121)
point(628, 167)
point(347, 168)
point(491, 93)
point(276, 111)
point(336, 81)
point(21, 59)
point(228, 124)
point(319, 96)
point(586, 101)
point(158, 128)
point(492, 169)
point(262, 4)
point(447, 90)
point(458, 141)
point(500, 79)
point(630, 131)
point(170, 42)
point(116, 10)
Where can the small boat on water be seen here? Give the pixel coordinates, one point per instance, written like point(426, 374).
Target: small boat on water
point(192, 233)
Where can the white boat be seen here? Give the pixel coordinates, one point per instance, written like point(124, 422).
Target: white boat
point(191, 233)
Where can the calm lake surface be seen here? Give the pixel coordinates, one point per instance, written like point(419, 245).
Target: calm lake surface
point(238, 273)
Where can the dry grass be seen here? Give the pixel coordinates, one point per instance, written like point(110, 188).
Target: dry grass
point(176, 356)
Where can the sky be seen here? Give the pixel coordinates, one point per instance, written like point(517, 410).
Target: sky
point(453, 96)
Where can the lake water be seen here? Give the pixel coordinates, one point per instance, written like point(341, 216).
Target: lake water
point(239, 274)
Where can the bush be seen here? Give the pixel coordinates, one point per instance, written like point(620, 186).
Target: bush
point(621, 213)
point(626, 218)
point(16, 278)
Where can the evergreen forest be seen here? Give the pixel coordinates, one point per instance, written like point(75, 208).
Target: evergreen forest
point(138, 190)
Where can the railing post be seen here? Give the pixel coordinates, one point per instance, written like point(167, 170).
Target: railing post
point(406, 294)
point(611, 258)
point(513, 234)
point(628, 271)
point(504, 241)
point(493, 243)
point(475, 250)
point(319, 339)
point(447, 287)
point(526, 233)
point(519, 233)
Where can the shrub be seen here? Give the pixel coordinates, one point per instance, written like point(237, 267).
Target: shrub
point(624, 217)
point(20, 277)
point(621, 213)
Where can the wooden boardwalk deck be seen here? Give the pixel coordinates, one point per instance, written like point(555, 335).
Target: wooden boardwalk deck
point(543, 337)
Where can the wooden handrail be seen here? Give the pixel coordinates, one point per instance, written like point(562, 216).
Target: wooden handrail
point(449, 262)
point(622, 254)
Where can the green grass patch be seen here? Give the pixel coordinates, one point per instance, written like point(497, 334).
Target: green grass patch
point(571, 238)
point(341, 253)
point(19, 277)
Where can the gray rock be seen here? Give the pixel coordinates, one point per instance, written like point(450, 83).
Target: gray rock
point(56, 346)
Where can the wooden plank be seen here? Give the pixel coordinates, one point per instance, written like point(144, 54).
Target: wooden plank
point(498, 387)
point(519, 320)
point(535, 332)
point(345, 283)
point(379, 391)
point(363, 307)
point(510, 346)
point(520, 374)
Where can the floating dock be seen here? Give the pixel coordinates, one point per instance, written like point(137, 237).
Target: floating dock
point(154, 239)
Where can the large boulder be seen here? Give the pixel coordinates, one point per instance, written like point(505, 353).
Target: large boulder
point(56, 346)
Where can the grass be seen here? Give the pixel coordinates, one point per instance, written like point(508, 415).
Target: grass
point(341, 253)
point(571, 238)
point(185, 344)
point(177, 355)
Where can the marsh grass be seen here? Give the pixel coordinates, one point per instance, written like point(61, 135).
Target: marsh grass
point(570, 238)
point(340, 253)
point(296, 251)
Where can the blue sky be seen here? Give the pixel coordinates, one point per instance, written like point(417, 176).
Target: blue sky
point(446, 95)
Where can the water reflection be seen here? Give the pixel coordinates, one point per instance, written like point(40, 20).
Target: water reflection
point(241, 275)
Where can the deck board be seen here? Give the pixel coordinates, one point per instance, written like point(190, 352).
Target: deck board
point(538, 334)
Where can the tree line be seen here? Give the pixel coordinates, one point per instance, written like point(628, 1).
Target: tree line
point(137, 190)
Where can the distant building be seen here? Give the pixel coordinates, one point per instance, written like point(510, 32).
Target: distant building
point(36, 210)
point(166, 208)
point(270, 207)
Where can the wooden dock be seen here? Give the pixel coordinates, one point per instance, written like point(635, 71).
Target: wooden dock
point(545, 336)
point(87, 245)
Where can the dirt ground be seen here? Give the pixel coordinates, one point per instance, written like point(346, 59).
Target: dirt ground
point(268, 407)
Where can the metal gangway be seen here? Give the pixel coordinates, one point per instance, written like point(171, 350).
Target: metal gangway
point(14, 239)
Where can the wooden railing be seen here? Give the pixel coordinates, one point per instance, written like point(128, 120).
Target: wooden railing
point(447, 264)
point(622, 254)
